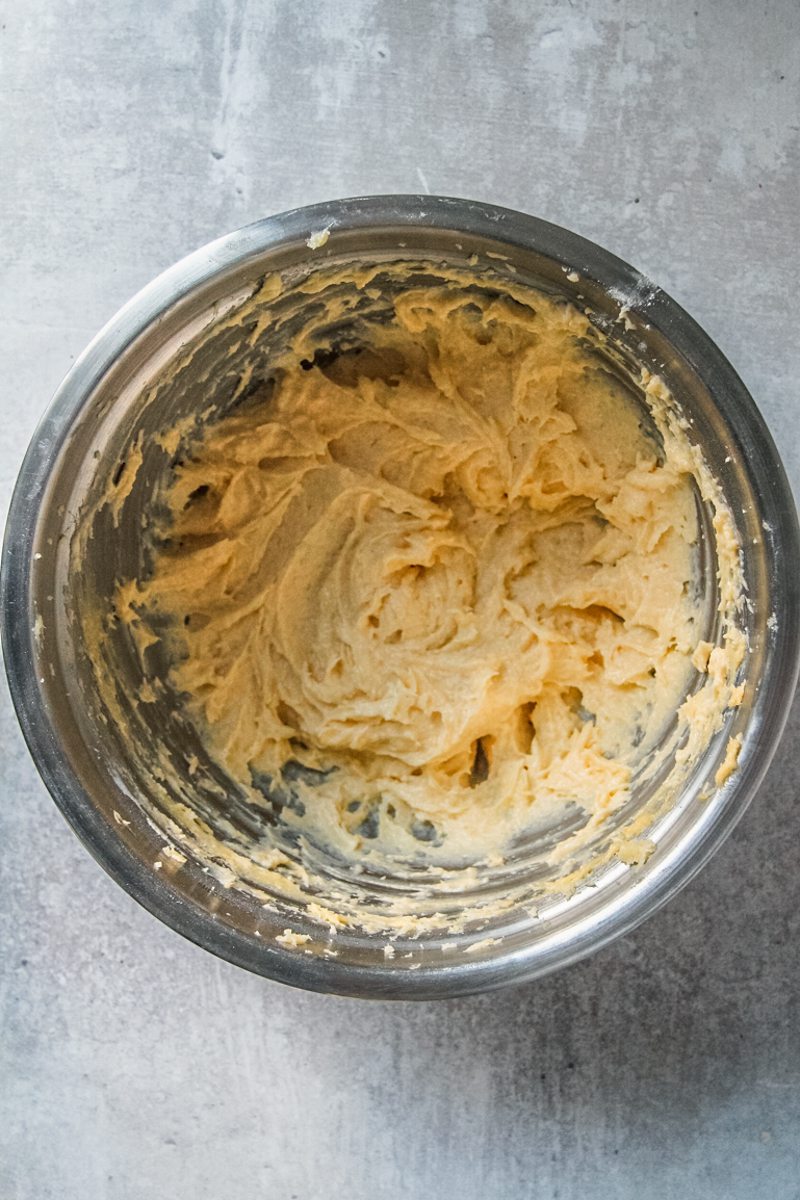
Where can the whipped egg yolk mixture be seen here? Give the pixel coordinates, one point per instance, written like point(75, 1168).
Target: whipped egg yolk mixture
point(424, 591)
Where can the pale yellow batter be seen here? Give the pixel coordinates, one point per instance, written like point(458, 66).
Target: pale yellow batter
point(425, 591)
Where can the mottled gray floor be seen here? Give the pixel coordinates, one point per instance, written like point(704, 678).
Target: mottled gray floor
point(135, 1065)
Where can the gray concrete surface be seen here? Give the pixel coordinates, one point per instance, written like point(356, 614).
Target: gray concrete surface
point(135, 1065)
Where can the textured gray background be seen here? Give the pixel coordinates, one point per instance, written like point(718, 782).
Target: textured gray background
point(134, 1064)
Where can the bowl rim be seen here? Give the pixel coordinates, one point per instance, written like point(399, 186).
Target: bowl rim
point(650, 886)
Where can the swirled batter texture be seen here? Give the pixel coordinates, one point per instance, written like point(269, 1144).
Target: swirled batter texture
point(421, 590)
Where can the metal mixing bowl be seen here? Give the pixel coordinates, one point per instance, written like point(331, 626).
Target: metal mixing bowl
point(92, 766)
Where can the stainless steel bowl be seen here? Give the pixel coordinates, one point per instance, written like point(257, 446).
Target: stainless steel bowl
point(88, 763)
